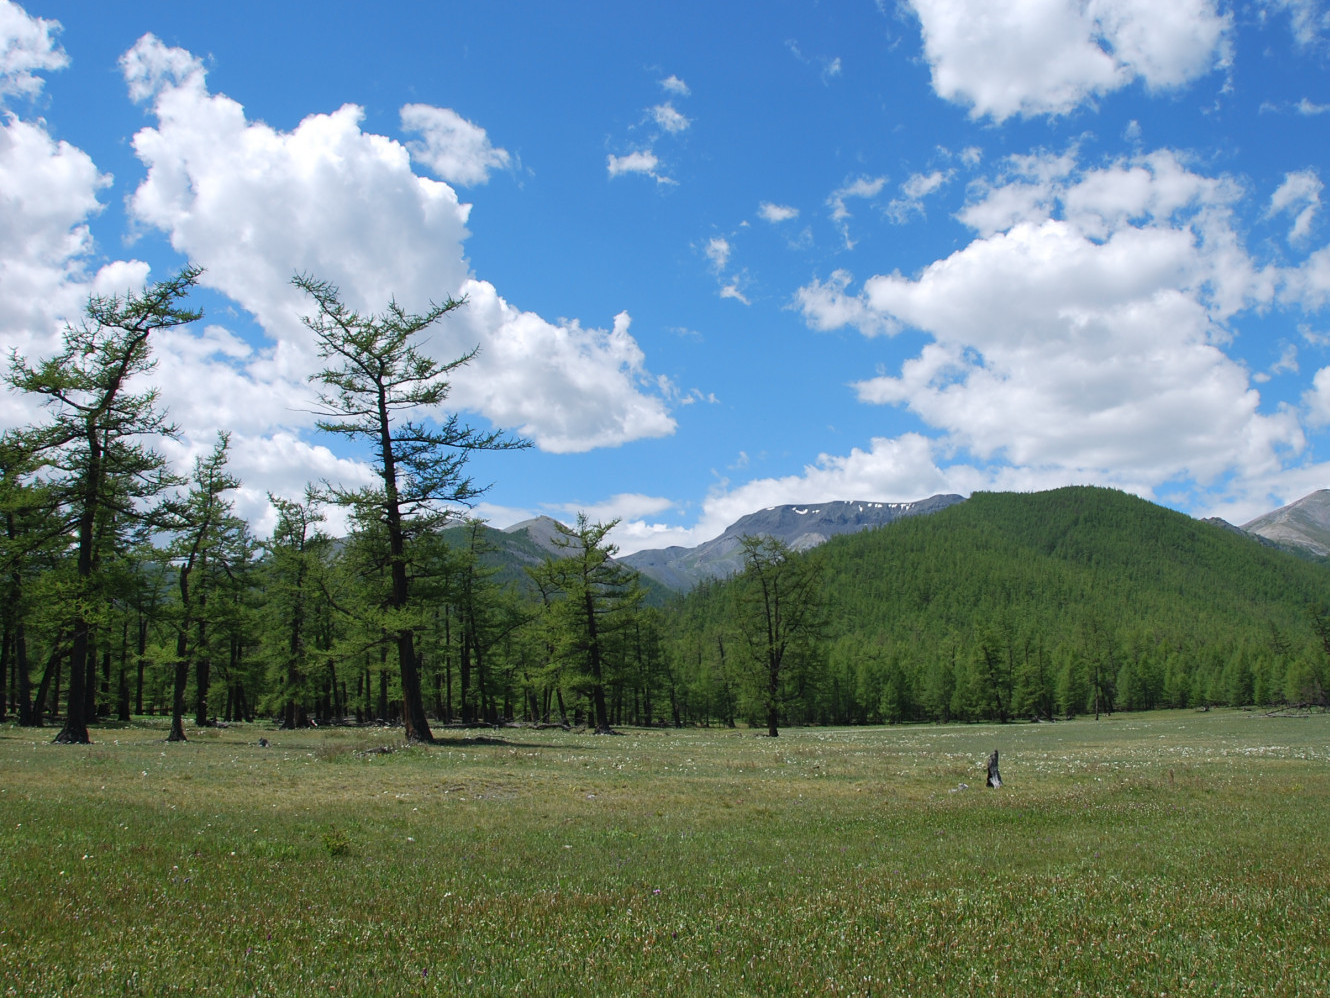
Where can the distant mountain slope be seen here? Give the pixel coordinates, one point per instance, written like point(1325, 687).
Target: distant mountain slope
point(541, 532)
point(1011, 602)
point(1072, 559)
point(801, 527)
point(524, 545)
point(1304, 524)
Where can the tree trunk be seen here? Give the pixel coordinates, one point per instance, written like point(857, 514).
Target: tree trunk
point(178, 695)
point(464, 680)
point(25, 707)
point(141, 654)
point(593, 657)
point(383, 688)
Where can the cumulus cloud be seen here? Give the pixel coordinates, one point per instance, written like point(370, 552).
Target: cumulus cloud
point(49, 192)
point(27, 46)
point(827, 305)
point(1316, 399)
point(454, 149)
point(1308, 284)
point(1300, 196)
point(775, 213)
point(1081, 331)
point(1038, 57)
point(253, 205)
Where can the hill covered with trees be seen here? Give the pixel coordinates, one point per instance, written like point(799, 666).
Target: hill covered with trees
point(1034, 605)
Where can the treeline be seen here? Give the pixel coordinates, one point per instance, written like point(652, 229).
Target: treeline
point(130, 590)
point(1016, 606)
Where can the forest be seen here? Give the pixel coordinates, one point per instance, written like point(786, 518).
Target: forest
point(130, 590)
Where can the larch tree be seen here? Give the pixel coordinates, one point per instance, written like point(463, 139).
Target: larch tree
point(598, 597)
point(780, 612)
point(377, 378)
point(202, 520)
point(94, 450)
point(292, 561)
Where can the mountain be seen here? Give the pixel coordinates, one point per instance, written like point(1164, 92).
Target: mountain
point(1303, 525)
point(524, 545)
point(540, 532)
point(801, 527)
point(1014, 604)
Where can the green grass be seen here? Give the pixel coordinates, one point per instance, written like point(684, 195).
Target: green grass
point(1160, 854)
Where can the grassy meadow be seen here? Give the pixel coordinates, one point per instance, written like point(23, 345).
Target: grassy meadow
point(1169, 853)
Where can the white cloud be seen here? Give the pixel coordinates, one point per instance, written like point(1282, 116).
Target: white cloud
point(827, 306)
point(1316, 400)
point(669, 118)
point(27, 46)
point(1308, 19)
point(568, 388)
point(624, 506)
point(1287, 362)
point(672, 84)
point(1308, 284)
point(718, 252)
point(453, 148)
point(730, 289)
point(254, 205)
point(643, 161)
point(1309, 109)
point(891, 470)
point(1300, 196)
point(152, 69)
point(1036, 57)
point(915, 189)
point(864, 188)
point(1079, 333)
point(776, 212)
point(49, 191)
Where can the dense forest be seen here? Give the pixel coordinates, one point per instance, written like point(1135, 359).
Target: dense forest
point(129, 590)
point(1017, 606)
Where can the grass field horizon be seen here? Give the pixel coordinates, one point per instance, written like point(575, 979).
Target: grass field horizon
point(1156, 853)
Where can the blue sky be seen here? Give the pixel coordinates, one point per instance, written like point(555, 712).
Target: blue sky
point(717, 257)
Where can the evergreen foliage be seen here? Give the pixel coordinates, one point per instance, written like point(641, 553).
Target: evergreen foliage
point(1041, 605)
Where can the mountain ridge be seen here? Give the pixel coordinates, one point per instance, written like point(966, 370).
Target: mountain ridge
point(1303, 524)
point(799, 525)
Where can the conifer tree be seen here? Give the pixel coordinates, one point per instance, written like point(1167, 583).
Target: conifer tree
point(377, 381)
point(95, 449)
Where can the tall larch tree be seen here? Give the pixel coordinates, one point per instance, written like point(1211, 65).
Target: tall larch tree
point(202, 520)
point(377, 379)
point(598, 597)
point(95, 449)
point(780, 611)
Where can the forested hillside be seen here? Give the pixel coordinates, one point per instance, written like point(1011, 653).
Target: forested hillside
point(1036, 605)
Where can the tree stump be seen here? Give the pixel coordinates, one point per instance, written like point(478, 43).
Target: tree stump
point(994, 777)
